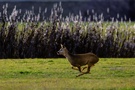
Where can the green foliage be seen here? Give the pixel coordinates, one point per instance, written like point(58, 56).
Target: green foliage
point(41, 74)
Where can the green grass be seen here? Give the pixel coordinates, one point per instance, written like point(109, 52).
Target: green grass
point(44, 74)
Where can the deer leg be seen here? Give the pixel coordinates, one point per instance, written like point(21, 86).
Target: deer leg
point(74, 68)
point(79, 69)
point(88, 70)
point(84, 68)
point(82, 74)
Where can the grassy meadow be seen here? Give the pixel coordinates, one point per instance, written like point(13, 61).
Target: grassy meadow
point(44, 74)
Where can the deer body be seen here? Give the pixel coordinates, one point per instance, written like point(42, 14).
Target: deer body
point(78, 60)
point(81, 59)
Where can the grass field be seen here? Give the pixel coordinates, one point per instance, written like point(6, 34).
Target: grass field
point(44, 74)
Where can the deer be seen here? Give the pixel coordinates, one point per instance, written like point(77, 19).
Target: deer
point(79, 60)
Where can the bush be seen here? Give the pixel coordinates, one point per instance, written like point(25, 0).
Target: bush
point(36, 36)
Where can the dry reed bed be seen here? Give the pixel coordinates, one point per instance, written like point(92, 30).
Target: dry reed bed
point(32, 35)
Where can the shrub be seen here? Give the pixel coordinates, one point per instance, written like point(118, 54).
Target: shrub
point(36, 36)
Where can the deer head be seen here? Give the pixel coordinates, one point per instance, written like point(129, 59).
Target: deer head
point(63, 51)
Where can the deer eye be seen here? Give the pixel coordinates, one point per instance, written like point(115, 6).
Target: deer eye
point(61, 49)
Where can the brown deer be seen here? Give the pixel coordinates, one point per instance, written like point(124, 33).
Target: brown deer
point(78, 60)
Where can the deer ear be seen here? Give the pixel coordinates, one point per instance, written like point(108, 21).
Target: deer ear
point(61, 46)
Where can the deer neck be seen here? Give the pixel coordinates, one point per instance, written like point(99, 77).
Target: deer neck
point(69, 56)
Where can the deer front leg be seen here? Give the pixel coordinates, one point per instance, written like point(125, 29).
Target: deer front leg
point(74, 68)
point(82, 74)
point(88, 70)
point(78, 68)
point(84, 68)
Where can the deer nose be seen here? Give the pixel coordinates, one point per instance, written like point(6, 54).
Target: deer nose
point(58, 53)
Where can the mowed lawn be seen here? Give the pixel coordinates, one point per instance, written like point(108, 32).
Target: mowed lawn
point(46, 74)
